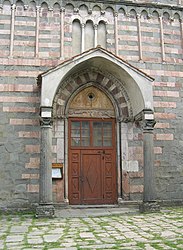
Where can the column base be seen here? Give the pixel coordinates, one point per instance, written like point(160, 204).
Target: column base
point(120, 201)
point(149, 207)
point(45, 211)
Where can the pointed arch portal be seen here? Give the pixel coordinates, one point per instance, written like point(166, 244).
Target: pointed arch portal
point(91, 95)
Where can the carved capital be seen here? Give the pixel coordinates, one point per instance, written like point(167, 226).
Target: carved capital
point(148, 125)
point(46, 121)
point(149, 16)
point(171, 18)
point(138, 16)
point(26, 7)
point(95, 26)
point(62, 10)
point(83, 25)
point(13, 7)
point(38, 8)
point(116, 14)
point(76, 10)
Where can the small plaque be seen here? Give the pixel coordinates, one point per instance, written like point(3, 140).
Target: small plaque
point(57, 173)
point(57, 165)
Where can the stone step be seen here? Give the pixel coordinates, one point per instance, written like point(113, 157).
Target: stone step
point(94, 211)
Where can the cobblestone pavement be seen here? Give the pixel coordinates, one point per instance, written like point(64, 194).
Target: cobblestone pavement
point(162, 230)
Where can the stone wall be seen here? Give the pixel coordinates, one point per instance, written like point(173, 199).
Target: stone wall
point(36, 36)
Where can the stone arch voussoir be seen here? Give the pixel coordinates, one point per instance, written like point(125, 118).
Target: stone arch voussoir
point(103, 80)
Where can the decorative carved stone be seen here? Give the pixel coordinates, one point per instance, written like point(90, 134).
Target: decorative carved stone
point(125, 119)
point(149, 125)
point(91, 113)
point(91, 98)
point(46, 121)
point(91, 102)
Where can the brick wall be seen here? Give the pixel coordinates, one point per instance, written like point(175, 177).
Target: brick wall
point(35, 38)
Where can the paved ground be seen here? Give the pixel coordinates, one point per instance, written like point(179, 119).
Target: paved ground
point(113, 231)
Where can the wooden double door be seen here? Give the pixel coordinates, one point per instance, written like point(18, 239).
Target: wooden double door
point(92, 161)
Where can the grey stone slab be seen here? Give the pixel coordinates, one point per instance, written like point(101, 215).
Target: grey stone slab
point(35, 240)
point(35, 247)
point(68, 245)
point(69, 248)
point(1, 244)
point(87, 235)
point(51, 237)
point(56, 231)
point(18, 229)
point(168, 234)
point(14, 238)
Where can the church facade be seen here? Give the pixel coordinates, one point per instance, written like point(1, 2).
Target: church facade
point(91, 103)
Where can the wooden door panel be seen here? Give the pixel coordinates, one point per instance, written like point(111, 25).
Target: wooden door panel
point(109, 177)
point(74, 177)
point(91, 165)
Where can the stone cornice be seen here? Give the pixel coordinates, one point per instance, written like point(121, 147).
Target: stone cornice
point(137, 4)
point(109, 3)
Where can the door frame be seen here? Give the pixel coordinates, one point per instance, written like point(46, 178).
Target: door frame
point(81, 149)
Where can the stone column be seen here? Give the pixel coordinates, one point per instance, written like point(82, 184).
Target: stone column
point(149, 199)
point(139, 36)
point(83, 37)
point(116, 33)
point(12, 29)
point(37, 31)
point(95, 35)
point(45, 208)
point(62, 14)
point(162, 39)
point(181, 31)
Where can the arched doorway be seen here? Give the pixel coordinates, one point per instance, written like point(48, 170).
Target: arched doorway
point(90, 94)
point(92, 148)
point(130, 92)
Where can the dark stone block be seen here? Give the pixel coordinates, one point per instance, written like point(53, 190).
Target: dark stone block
point(149, 207)
point(45, 211)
